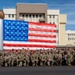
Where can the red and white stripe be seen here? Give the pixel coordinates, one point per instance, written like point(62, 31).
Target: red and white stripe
point(40, 35)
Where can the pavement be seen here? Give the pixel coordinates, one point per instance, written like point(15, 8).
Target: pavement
point(45, 70)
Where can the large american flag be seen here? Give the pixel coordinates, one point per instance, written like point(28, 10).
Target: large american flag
point(22, 34)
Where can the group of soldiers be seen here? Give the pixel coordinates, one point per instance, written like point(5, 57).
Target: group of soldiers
point(48, 57)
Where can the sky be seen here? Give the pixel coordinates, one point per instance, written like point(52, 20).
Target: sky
point(65, 7)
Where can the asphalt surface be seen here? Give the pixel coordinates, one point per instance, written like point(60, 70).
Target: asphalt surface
point(55, 70)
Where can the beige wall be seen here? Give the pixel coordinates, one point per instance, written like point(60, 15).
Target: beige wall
point(11, 12)
point(62, 23)
point(31, 9)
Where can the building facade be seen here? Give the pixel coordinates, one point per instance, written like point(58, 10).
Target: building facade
point(31, 12)
point(10, 13)
point(53, 18)
point(62, 29)
point(70, 38)
point(39, 13)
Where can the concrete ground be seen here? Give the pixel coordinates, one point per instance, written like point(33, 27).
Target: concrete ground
point(51, 70)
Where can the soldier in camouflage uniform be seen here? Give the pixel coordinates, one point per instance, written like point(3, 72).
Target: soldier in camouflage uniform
point(49, 58)
point(70, 58)
point(32, 56)
point(24, 60)
point(36, 59)
point(54, 58)
point(74, 58)
point(1, 59)
point(59, 58)
point(6, 60)
point(20, 60)
point(27, 59)
point(43, 59)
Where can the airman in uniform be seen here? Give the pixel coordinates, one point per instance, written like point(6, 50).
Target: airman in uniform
point(42, 59)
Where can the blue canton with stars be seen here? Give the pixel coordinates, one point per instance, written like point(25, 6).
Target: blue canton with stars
point(14, 30)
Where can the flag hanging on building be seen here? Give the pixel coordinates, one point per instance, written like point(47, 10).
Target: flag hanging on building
point(22, 34)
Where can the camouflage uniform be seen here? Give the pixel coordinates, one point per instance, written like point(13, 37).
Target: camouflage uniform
point(70, 59)
point(58, 58)
point(20, 60)
point(36, 59)
point(27, 60)
point(42, 59)
point(73, 58)
point(32, 59)
point(49, 59)
point(24, 61)
point(6, 61)
point(1, 60)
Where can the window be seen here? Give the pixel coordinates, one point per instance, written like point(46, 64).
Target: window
point(12, 15)
point(53, 22)
point(57, 42)
point(36, 16)
point(9, 15)
point(69, 38)
point(53, 16)
point(23, 15)
point(50, 23)
point(33, 16)
point(26, 16)
point(40, 16)
point(73, 38)
point(50, 16)
point(57, 31)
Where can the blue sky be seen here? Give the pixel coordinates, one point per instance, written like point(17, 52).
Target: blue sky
point(65, 7)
